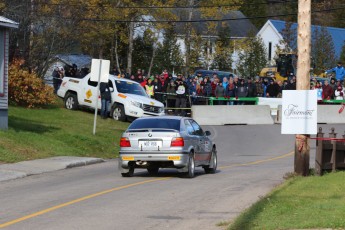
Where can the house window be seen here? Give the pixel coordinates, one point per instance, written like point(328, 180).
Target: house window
point(269, 51)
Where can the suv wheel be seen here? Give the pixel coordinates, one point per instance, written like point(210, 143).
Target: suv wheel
point(71, 101)
point(118, 113)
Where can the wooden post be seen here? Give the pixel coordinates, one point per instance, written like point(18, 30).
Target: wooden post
point(302, 148)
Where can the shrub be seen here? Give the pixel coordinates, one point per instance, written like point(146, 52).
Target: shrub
point(27, 89)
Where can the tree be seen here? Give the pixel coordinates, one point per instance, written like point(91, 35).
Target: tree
point(169, 55)
point(223, 50)
point(342, 55)
point(253, 8)
point(323, 53)
point(252, 58)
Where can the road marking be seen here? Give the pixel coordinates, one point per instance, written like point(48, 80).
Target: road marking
point(259, 161)
point(77, 201)
point(123, 187)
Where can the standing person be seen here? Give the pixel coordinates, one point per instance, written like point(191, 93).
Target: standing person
point(230, 91)
point(181, 96)
point(149, 88)
point(259, 87)
point(139, 77)
point(272, 89)
point(339, 93)
point(105, 99)
point(319, 91)
point(251, 90)
point(241, 91)
point(171, 91)
point(339, 71)
point(327, 91)
point(58, 74)
point(219, 92)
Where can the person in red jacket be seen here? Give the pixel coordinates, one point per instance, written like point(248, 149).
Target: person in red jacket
point(327, 91)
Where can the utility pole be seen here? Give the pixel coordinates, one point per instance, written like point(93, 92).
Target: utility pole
point(302, 148)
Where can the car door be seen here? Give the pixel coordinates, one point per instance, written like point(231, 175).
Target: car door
point(191, 139)
point(202, 156)
point(90, 94)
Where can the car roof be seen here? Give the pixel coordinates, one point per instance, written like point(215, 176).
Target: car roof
point(162, 117)
point(121, 79)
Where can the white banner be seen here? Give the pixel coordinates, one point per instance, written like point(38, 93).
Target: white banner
point(299, 112)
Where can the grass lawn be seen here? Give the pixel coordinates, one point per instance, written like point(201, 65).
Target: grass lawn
point(56, 131)
point(300, 203)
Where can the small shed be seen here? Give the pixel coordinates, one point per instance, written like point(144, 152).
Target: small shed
point(5, 25)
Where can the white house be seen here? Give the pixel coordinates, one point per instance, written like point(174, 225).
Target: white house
point(271, 33)
point(5, 25)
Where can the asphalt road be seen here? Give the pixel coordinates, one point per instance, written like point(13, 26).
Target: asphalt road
point(251, 160)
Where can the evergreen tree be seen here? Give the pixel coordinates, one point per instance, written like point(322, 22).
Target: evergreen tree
point(223, 50)
point(169, 55)
point(342, 55)
point(323, 53)
point(252, 58)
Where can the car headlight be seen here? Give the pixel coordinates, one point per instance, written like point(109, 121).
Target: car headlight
point(136, 104)
point(161, 109)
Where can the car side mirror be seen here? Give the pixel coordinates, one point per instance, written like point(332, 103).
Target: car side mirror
point(111, 89)
point(207, 133)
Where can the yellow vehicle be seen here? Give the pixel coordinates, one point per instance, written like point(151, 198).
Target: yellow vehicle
point(286, 65)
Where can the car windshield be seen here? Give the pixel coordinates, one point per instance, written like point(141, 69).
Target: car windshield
point(155, 123)
point(130, 87)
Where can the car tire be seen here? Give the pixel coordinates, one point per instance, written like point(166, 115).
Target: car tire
point(153, 171)
point(71, 101)
point(129, 173)
point(191, 166)
point(211, 170)
point(118, 113)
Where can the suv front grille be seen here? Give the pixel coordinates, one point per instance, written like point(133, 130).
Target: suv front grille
point(151, 109)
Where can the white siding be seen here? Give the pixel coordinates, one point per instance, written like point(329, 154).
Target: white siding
point(4, 67)
point(269, 34)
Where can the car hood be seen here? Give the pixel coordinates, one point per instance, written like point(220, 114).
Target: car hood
point(144, 100)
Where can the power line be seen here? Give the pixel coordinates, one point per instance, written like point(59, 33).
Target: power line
point(193, 21)
point(166, 7)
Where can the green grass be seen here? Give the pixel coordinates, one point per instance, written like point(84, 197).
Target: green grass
point(300, 203)
point(55, 131)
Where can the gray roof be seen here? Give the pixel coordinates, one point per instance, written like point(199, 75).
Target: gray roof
point(238, 28)
point(80, 60)
point(5, 22)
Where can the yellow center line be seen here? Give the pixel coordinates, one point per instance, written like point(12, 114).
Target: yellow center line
point(120, 188)
point(259, 161)
point(77, 201)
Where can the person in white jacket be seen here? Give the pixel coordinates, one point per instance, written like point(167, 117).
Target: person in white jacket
point(339, 93)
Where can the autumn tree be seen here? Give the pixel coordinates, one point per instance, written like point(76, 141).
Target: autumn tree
point(254, 8)
point(253, 57)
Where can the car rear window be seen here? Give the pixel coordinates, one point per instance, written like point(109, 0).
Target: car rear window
point(155, 123)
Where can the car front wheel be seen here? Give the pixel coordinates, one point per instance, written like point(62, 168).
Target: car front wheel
point(118, 113)
point(71, 101)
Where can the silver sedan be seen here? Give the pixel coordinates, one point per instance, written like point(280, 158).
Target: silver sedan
point(166, 142)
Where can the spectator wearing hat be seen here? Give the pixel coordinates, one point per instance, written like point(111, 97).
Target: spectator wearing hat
point(339, 71)
point(272, 89)
point(259, 87)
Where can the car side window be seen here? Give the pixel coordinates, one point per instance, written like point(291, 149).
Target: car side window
point(197, 129)
point(92, 83)
point(189, 127)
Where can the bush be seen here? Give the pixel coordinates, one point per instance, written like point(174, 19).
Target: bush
point(27, 89)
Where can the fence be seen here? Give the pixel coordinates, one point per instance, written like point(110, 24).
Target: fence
point(330, 152)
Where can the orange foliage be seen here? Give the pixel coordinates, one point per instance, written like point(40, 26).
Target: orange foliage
point(27, 89)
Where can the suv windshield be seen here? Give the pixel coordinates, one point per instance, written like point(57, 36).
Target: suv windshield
point(155, 123)
point(130, 87)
